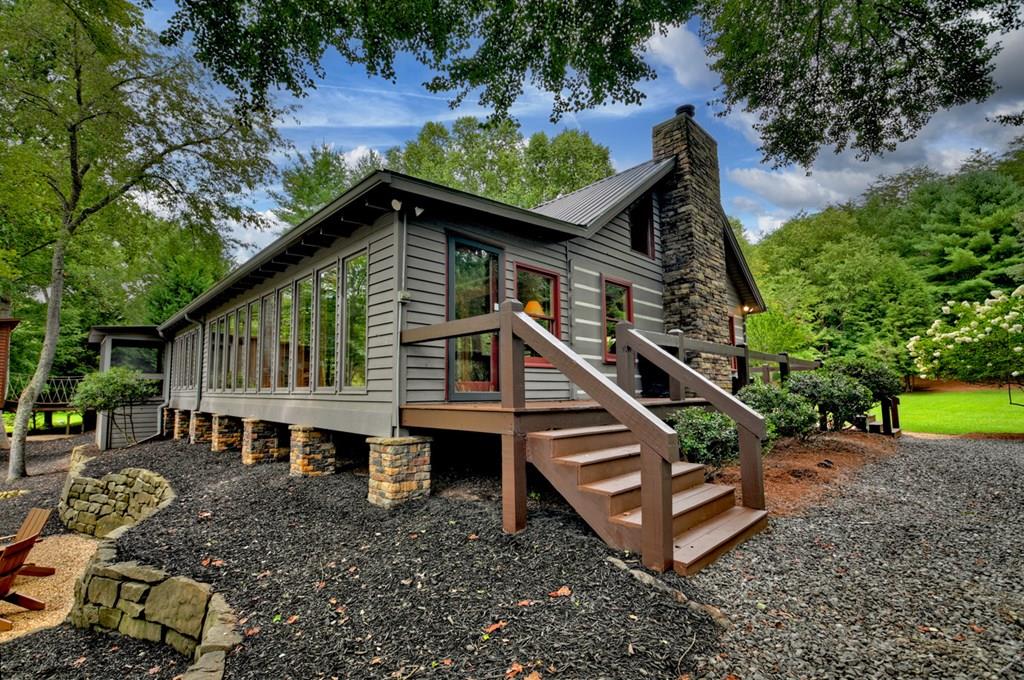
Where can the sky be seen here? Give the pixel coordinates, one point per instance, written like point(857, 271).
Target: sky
point(355, 113)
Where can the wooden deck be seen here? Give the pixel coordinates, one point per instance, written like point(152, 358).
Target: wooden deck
point(535, 416)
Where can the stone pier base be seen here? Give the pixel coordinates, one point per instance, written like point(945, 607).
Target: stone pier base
point(263, 442)
point(227, 433)
point(200, 428)
point(181, 423)
point(399, 469)
point(312, 453)
point(167, 422)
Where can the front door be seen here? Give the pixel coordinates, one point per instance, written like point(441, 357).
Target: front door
point(474, 287)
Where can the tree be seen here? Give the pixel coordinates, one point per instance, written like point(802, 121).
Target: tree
point(185, 266)
point(97, 115)
point(864, 75)
point(316, 179)
point(980, 342)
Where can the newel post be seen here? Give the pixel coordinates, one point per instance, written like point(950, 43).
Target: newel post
point(751, 472)
point(783, 367)
point(895, 412)
point(656, 506)
point(886, 415)
point(511, 363)
point(625, 358)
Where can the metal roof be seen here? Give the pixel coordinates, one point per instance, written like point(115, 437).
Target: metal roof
point(596, 203)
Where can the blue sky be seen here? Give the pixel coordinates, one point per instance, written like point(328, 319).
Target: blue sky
point(355, 112)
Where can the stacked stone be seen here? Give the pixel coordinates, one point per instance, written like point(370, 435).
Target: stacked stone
point(99, 506)
point(693, 240)
point(148, 604)
point(200, 428)
point(399, 469)
point(181, 423)
point(227, 433)
point(167, 421)
point(261, 442)
point(312, 452)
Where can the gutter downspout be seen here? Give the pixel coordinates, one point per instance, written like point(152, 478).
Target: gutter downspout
point(201, 368)
point(168, 382)
point(398, 380)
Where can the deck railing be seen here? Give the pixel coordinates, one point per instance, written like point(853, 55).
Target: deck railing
point(659, 444)
point(56, 393)
point(631, 344)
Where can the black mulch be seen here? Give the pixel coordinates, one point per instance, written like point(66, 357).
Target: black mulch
point(330, 586)
point(47, 465)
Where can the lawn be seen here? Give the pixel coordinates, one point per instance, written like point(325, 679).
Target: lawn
point(60, 419)
point(982, 411)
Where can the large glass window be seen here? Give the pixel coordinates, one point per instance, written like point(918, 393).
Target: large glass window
point(211, 378)
point(284, 335)
point(267, 343)
point(538, 291)
point(252, 347)
point(240, 338)
point(303, 331)
point(475, 281)
point(229, 354)
point(326, 324)
point(221, 332)
point(356, 272)
point(618, 306)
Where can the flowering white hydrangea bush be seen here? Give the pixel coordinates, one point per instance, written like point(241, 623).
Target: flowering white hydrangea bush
point(975, 341)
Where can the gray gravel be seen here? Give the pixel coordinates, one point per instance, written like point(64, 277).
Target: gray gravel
point(914, 570)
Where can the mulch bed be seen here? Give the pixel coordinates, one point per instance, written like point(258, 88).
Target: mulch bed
point(330, 586)
point(47, 465)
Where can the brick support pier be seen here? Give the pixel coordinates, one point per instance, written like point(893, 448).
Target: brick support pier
point(200, 428)
point(399, 469)
point(262, 442)
point(227, 433)
point(312, 452)
point(181, 422)
point(167, 422)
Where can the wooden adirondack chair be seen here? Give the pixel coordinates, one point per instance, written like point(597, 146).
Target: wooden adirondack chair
point(32, 526)
point(12, 559)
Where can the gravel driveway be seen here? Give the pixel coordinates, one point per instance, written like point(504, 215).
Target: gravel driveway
point(915, 570)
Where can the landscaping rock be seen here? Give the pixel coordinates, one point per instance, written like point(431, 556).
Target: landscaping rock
point(179, 603)
point(103, 591)
point(181, 643)
point(140, 629)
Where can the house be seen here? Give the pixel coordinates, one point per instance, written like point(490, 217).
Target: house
point(388, 314)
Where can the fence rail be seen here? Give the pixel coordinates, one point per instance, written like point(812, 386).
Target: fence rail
point(56, 393)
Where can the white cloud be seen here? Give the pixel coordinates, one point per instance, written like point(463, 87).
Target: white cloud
point(683, 52)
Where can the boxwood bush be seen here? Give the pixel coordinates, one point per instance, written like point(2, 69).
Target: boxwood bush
point(842, 397)
point(786, 414)
point(706, 437)
point(880, 378)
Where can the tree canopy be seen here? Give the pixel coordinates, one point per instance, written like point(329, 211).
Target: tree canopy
point(487, 159)
point(844, 73)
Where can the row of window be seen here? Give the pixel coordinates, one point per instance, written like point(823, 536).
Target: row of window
point(292, 339)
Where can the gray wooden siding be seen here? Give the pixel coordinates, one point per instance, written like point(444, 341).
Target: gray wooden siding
point(146, 419)
point(363, 411)
point(608, 254)
point(426, 284)
point(736, 310)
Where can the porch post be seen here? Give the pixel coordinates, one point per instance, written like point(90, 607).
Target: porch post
point(511, 361)
point(625, 359)
point(513, 482)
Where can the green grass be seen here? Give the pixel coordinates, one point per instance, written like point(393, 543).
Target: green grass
point(60, 419)
point(985, 411)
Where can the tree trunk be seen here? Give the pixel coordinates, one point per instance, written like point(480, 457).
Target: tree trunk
point(5, 312)
point(26, 403)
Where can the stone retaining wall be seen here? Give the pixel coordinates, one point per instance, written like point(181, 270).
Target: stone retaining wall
point(147, 603)
point(98, 506)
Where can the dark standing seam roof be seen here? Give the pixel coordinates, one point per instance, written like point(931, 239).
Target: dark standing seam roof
point(588, 205)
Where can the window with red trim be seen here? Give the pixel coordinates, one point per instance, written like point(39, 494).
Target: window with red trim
point(616, 306)
point(538, 290)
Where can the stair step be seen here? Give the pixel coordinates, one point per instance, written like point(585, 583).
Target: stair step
point(690, 507)
point(623, 491)
point(701, 545)
point(592, 466)
point(576, 439)
point(876, 428)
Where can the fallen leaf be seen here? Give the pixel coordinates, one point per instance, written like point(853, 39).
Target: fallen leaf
point(406, 581)
point(205, 561)
point(292, 619)
point(252, 632)
point(515, 669)
point(495, 626)
point(204, 514)
point(447, 661)
point(731, 676)
point(376, 660)
point(79, 661)
point(473, 537)
point(217, 563)
point(533, 676)
point(414, 536)
point(976, 628)
point(524, 603)
point(153, 671)
point(564, 591)
point(320, 585)
point(262, 574)
point(333, 600)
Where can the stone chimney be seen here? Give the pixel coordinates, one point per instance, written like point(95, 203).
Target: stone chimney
point(696, 294)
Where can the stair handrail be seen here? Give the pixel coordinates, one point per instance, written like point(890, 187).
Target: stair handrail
point(749, 423)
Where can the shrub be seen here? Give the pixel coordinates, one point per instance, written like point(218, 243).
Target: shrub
point(880, 378)
point(786, 414)
point(113, 389)
point(706, 437)
point(842, 397)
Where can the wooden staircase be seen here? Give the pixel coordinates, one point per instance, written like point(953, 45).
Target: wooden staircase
point(597, 470)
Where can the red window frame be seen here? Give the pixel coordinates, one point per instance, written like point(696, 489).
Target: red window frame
point(609, 357)
point(732, 338)
point(556, 306)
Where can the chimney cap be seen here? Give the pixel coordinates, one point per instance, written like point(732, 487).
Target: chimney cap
point(688, 110)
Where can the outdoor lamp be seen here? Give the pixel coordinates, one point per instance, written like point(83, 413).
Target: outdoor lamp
point(533, 308)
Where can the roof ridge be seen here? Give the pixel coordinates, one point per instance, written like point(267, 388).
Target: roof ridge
point(592, 184)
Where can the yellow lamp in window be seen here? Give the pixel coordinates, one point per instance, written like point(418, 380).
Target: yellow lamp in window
point(533, 308)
